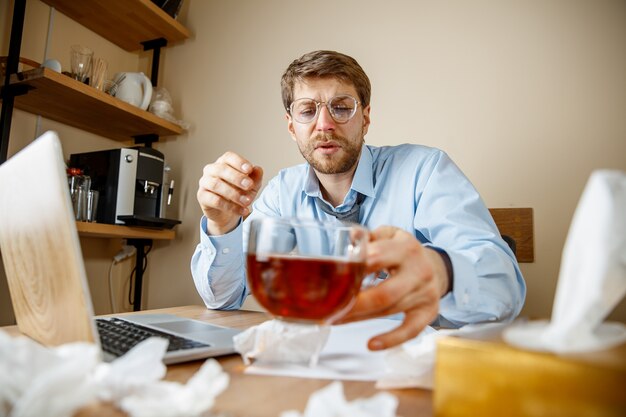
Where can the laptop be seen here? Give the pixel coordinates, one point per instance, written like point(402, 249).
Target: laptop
point(46, 274)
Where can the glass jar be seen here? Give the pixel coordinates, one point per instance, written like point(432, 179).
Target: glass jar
point(79, 185)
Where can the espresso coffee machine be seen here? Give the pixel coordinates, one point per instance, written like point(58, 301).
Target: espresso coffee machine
point(130, 182)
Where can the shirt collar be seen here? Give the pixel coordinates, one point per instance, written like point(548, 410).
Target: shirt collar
point(363, 181)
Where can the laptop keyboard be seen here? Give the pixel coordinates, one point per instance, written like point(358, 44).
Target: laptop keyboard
point(119, 336)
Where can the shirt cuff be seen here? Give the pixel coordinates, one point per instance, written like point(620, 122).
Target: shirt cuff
point(226, 248)
point(465, 292)
point(449, 269)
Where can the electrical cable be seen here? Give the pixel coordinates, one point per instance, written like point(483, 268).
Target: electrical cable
point(125, 253)
point(111, 293)
point(132, 274)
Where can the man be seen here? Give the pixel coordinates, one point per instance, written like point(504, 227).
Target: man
point(431, 232)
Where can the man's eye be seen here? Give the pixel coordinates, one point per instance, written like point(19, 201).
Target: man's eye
point(307, 111)
point(342, 110)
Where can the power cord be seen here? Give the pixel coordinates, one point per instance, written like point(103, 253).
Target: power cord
point(132, 275)
point(126, 252)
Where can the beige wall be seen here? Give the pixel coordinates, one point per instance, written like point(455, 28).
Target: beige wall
point(528, 97)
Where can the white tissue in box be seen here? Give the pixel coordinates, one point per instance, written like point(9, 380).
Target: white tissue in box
point(279, 341)
point(592, 279)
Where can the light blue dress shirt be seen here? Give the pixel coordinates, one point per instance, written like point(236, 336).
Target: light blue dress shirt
point(412, 187)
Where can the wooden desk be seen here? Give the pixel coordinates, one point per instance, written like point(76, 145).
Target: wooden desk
point(263, 396)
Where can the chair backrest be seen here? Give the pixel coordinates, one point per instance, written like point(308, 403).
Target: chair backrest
point(517, 228)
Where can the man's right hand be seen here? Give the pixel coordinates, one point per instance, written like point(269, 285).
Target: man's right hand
point(226, 191)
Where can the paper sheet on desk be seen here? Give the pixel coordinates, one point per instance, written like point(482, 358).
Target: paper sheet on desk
point(344, 357)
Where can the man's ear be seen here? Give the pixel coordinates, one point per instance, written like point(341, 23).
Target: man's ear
point(290, 127)
point(366, 119)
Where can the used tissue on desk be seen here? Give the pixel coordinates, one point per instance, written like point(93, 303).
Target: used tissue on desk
point(36, 381)
point(56, 382)
point(331, 402)
point(592, 279)
point(412, 364)
point(284, 342)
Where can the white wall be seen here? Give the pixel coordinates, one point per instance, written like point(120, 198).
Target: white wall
point(528, 97)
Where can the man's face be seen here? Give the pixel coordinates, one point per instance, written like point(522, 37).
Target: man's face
point(329, 147)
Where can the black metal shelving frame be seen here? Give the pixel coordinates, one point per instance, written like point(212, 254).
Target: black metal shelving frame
point(8, 94)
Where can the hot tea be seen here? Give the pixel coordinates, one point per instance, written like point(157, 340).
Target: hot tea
point(304, 289)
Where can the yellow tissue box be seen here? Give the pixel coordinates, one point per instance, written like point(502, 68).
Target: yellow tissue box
point(486, 377)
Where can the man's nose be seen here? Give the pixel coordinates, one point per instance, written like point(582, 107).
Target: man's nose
point(325, 121)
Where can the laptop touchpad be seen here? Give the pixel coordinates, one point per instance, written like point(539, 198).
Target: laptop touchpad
point(186, 326)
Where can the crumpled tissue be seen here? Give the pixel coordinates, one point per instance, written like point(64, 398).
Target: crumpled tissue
point(55, 382)
point(280, 341)
point(330, 401)
point(592, 279)
point(412, 364)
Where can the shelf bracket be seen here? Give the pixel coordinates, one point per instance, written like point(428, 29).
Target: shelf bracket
point(14, 90)
point(155, 45)
point(13, 60)
point(146, 140)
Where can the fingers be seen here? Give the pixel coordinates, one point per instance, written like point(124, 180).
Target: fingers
point(414, 322)
point(236, 161)
point(232, 171)
point(391, 297)
point(411, 286)
point(227, 188)
point(390, 248)
point(384, 232)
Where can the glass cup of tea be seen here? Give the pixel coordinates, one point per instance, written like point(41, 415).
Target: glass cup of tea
point(304, 270)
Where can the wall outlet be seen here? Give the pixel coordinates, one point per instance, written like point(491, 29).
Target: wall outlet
point(126, 252)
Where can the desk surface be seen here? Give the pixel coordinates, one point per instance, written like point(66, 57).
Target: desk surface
point(264, 396)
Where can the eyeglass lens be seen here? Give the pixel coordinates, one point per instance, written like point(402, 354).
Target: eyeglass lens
point(341, 108)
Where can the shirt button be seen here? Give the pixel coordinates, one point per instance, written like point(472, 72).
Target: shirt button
point(466, 298)
point(226, 251)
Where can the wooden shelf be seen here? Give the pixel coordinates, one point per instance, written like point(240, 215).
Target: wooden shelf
point(63, 99)
point(103, 230)
point(126, 23)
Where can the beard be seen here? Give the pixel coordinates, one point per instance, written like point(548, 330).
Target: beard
point(336, 163)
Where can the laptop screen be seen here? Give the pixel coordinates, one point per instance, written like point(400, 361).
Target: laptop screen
point(40, 247)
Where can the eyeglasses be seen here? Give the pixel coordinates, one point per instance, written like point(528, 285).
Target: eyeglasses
point(341, 108)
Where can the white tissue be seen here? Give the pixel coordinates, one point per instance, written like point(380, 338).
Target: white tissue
point(56, 382)
point(592, 279)
point(331, 402)
point(280, 341)
point(35, 381)
point(412, 364)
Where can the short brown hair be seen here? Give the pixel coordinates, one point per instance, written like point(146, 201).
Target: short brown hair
point(328, 64)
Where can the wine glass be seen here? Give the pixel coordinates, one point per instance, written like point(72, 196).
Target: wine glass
point(305, 270)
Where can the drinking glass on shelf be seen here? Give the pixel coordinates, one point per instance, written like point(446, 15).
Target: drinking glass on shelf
point(79, 185)
point(81, 60)
point(92, 205)
point(305, 270)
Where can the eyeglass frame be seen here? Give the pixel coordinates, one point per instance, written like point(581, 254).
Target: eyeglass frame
point(318, 104)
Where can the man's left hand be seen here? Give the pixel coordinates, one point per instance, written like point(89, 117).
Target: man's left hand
point(417, 279)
